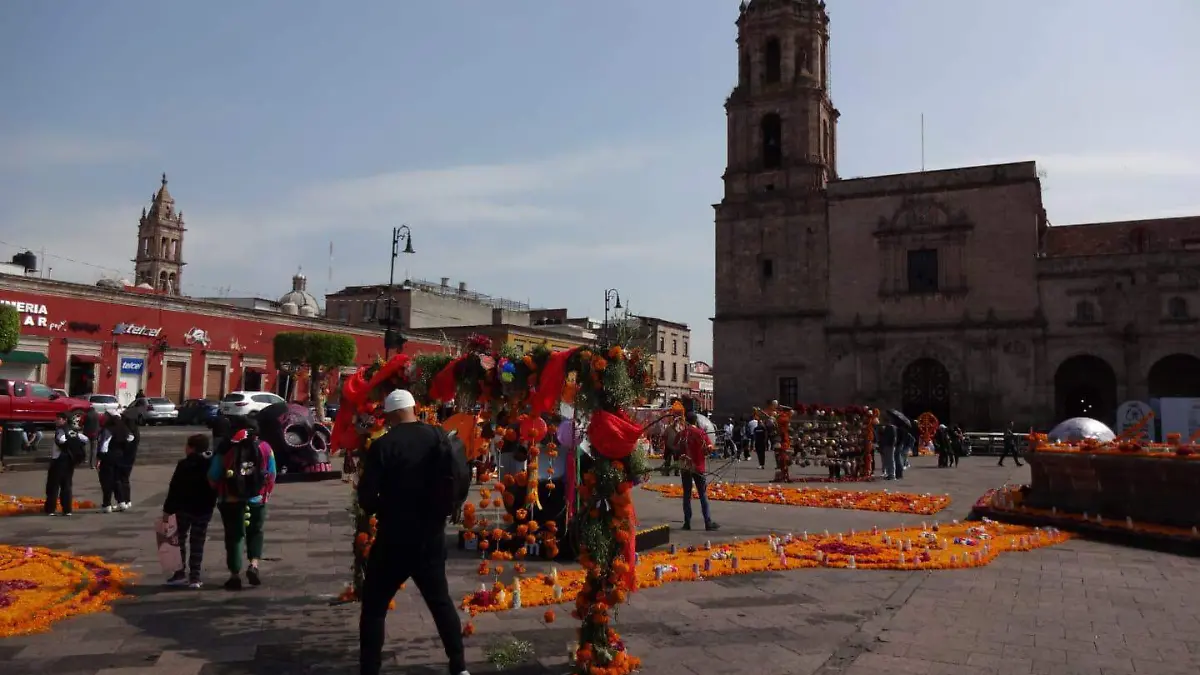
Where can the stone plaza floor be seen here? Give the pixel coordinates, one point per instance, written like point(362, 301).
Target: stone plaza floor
point(1078, 608)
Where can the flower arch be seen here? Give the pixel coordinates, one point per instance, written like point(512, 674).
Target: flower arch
point(512, 394)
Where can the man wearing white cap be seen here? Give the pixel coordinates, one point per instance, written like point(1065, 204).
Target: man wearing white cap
point(404, 479)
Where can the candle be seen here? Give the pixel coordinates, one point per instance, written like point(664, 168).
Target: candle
point(554, 573)
point(558, 592)
point(804, 536)
point(852, 562)
point(708, 545)
point(735, 562)
point(673, 549)
point(708, 564)
point(658, 573)
point(902, 558)
point(782, 559)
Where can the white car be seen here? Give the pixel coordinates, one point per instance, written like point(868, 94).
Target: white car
point(247, 403)
point(152, 410)
point(105, 404)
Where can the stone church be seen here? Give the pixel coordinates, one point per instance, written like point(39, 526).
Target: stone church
point(947, 291)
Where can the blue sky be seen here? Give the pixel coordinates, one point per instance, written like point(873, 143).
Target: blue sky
point(542, 151)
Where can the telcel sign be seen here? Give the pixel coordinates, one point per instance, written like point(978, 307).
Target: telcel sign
point(136, 329)
point(132, 366)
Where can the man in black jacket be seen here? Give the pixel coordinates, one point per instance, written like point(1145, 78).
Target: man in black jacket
point(60, 477)
point(404, 472)
point(191, 499)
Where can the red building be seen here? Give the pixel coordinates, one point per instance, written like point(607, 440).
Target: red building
point(89, 339)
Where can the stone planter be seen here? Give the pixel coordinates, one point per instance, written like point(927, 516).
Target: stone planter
point(1160, 490)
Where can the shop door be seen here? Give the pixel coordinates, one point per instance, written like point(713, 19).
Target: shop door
point(175, 379)
point(252, 380)
point(214, 383)
point(127, 388)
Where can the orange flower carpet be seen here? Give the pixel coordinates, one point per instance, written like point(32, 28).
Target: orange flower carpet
point(1010, 501)
point(825, 498)
point(930, 547)
point(12, 505)
point(39, 587)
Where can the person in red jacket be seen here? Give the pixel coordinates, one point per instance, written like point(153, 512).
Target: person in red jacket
point(696, 445)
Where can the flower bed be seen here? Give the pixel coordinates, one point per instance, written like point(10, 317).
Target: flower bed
point(884, 500)
point(934, 547)
point(39, 587)
point(1150, 483)
point(12, 505)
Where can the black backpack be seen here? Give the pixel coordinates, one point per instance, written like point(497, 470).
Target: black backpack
point(454, 476)
point(75, 447)
point(245, 473)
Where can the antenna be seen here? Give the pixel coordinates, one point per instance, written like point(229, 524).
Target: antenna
point(922, 142)
point(329, 281)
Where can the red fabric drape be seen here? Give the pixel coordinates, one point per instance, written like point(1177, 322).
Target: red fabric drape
point(613, 435)
point(444, 385)
point(550, 383)
point(397, 363)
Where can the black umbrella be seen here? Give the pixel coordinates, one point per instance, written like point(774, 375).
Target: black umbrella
point(901, 419)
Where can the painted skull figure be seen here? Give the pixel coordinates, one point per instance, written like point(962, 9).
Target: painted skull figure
point(298, 440)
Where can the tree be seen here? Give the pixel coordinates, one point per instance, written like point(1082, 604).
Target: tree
point(316, 351)
point(10, 328)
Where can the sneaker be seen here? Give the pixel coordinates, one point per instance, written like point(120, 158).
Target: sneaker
point(252, 576)
point(107, 509)
point(52, 513)
point(119, 507)
point(686, 526)
point(177, 579)
point(68, 514)
point(125, 506)
point(712, 527)
point(234, 583)
point(195, 584)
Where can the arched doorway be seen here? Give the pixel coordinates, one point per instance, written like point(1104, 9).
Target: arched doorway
point(1175, 376)
point(1085, 386)
point(925, 387)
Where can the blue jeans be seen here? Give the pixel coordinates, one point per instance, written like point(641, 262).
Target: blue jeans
point(887, 456)
point(701, 482)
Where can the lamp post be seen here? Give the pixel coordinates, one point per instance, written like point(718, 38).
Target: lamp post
point(609, 296)
point(398, 233)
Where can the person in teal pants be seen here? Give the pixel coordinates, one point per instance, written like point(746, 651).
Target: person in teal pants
point(244, 480)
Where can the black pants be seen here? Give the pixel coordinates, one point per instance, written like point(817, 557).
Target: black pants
point(121, 483)
point(1010, 452)
point(107, 474)
point(391, 563)
point(59, 482)
point(193, 531)
point(761, 450)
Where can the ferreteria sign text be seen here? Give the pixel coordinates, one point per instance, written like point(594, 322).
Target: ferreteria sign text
point(32, 313)
point(136, 329)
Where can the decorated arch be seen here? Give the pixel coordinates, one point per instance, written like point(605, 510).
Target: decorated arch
point(533, 406)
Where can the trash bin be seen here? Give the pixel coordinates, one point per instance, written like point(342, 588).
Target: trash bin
point(13, 441)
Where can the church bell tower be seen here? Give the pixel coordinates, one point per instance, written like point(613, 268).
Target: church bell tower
point(159, 261)
point(772, 235)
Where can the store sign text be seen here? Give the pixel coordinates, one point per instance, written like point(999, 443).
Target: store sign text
point(132, 366)
point(136, 329)
point(32, 313)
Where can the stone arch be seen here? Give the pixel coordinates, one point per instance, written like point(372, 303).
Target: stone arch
point(771, 132)
point(906, 356)
point(1174, 376)
point(172, 283)
point(162, 281)
point(772, 60)
point(925, 387)
point(1085, 385)
point(164, 249)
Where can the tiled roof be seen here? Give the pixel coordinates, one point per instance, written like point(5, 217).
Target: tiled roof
point(1131, 236)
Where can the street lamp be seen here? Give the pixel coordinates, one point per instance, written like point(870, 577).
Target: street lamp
point(609, 296)
point(389, 320)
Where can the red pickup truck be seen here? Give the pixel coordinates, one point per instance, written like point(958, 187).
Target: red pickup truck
point(33, 402)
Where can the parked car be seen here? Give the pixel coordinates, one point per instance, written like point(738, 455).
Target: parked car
point(247, 403)
point(62, 392)
point(105, 404)
point(34, 402)
point(331, 409)
point(152, 411)
point(198, 411)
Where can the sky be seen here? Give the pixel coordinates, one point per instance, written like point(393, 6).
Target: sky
point(540, 151)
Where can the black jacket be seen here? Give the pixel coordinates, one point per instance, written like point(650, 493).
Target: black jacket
point(402, 473)
point(91, 423)
point(190, 491)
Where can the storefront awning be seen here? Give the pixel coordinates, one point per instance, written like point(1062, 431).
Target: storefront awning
point(28, 358)
point(85, 358)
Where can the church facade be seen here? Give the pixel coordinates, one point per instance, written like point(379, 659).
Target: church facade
point(944, 291)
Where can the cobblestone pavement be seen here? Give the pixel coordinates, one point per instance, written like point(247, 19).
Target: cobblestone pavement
point(1079, 608)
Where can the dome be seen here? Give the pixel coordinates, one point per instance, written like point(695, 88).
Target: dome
point(305, 303)
point(1079, 428)
point(289, 308)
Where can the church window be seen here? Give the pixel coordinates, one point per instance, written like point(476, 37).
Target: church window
point(146, 246)
point(789, 391)
point(923, 270)
point(768, 269)
point(662, 343)
point(772, 141)
point(662, 370)
point(744, 68)
point(162, 248)
point(369, 311)
point(1177, 309)
point(674, 372)
point(1085, 312)
point(772, 58)
point(162, 281)
point(172, 283)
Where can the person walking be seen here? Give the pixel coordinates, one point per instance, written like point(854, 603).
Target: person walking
point(243, 475)
point(904, 444)
point(191, 499)
point(69, 450)
point(887, 450)
point(410, 480)
point(91, 429)
point(124, 465)
point(1010, 446)
point(696, 446)
point(760, 436)
point(116, 441)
